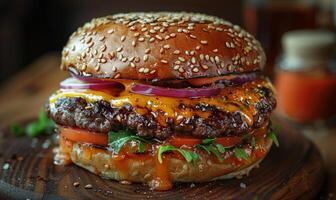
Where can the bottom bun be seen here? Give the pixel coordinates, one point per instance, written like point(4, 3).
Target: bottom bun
point(146, 169)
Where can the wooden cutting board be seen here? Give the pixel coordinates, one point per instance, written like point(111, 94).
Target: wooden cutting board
point(292, 171)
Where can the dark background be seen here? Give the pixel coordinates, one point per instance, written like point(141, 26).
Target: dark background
point(30, 28)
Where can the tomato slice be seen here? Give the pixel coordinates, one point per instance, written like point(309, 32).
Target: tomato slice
point(229, 141)
point(78, 135)
point(187, 141)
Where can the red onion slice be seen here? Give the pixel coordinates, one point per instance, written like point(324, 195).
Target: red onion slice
point(150, 90)
point(73, 83)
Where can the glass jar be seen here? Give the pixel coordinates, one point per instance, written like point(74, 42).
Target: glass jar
point(268, 20)
point(305, 76)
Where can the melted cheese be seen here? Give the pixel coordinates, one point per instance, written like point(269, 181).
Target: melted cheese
point(230, 99)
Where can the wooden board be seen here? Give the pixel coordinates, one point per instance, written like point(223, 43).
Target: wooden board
point(292, 171)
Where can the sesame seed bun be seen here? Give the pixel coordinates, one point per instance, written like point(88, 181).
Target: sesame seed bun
point(161, 46)
point(144, 171)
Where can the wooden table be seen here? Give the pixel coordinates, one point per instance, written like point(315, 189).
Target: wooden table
point(23, 95)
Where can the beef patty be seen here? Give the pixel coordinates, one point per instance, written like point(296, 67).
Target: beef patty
point(100, 116)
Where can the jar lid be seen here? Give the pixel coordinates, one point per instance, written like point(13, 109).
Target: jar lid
point(305, 48)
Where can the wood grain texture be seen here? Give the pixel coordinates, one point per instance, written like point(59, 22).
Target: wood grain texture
point(292, 171)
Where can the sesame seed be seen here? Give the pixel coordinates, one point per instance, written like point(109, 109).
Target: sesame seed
point(114, 69)
point(97, 68)
point(201, 56)
point(144, 29)
point(167, 37)
point(117, 75)
point(65, 52)
point(131, 58)
point(212, 59)
point(146, 70)
point(136, 59)
point(141, 39)
point(193, 36)
point(195, 69)
point(84, 66)
point(236, 27)
point(187, 52)
point(151, 39)
point(124, 59)
point(198, 47)
point(76, 184)
point(100, 55)
point(145, 57)
point(83, 54)
point(111, 55)
point(181, 70)
point(207, 57)
point(133, 43)
point(89, 40)
point(177, 62)
point(110, 31)
point(158, 37)
point(217, 59)
point(181, 59)
point(227, 45)
point(102, 38)
point(205, 30)
point(153, 71)
point(164, 61)
point(141, 69)
point(166, 46)
point(95, 52)
point(193, 60)
point(120, 57)
point(176, 67)
point(119, 49)
point(215, 50)
point(161, 50)
point(172, 35)
point(132, 64)
point(152, 31)
point(204, 42)
point(123, 38)
point(205, 66)
point(211, 27)
point(132, 28)
point(218, 72)
point(219, 29)
point(103, 60)
point(103, 48)
point(90, 45)
point(136, 34)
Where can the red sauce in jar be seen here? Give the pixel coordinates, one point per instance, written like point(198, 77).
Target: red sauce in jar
point(306, 97)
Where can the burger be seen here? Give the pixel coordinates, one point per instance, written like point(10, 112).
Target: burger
point(159, 98)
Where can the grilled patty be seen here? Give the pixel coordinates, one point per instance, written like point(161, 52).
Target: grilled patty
point(99, 116)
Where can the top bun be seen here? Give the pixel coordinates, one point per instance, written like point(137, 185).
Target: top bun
point(161, 46)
